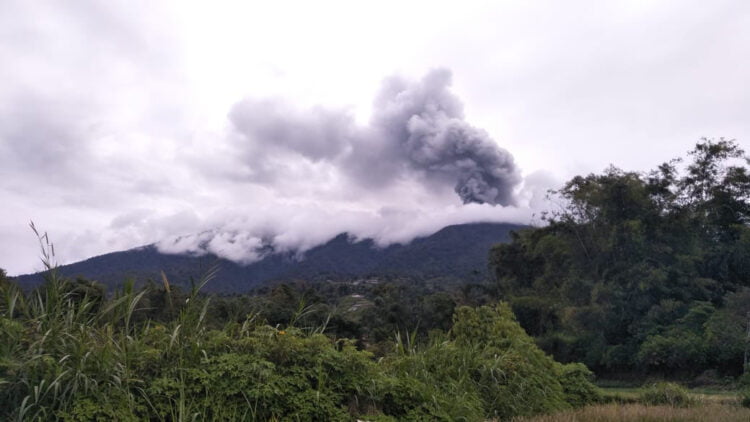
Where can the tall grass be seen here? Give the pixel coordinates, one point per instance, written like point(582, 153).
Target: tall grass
point(62, 347)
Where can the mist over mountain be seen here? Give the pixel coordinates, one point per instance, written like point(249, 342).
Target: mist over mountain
point(454, 252)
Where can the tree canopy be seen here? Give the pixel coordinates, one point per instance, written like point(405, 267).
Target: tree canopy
point(640, 271)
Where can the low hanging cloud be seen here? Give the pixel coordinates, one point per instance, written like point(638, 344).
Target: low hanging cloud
point(417, 132)
point(250, 234)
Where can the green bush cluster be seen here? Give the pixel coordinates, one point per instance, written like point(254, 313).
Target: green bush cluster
point(745, 398)
point(666, 393)
point(69, 353)
point(486, 366)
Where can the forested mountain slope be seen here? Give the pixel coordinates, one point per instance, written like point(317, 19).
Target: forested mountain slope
point(455, 252)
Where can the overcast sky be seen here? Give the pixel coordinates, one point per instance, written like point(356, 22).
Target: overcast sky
point(218, 126)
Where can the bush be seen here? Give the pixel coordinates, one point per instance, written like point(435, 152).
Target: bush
point(681, 350)
point(517, 377)
point(745, 397)
point(432, 384)
point(576, 382)
point(487, 367)
point(666, 393)
point(744, 380)
point(269, 375)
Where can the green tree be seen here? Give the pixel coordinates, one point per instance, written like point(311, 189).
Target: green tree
point(612, 277)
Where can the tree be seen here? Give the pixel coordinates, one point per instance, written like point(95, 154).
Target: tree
point(639, 253)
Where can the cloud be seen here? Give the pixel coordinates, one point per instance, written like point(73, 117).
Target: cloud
point(91, 95)
point(45, 135)
point(247, 235)
point(317, 133)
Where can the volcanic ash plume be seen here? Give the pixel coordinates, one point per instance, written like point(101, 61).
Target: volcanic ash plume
point(417, 132)
point(426, 121)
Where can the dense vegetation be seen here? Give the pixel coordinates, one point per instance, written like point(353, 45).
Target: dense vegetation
point(642, 274)
point(69, 352)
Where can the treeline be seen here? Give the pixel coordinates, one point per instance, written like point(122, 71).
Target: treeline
point(641, 273)
point(369, 310)
point(70, 352)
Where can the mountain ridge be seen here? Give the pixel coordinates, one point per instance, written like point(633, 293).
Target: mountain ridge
point(454, 252)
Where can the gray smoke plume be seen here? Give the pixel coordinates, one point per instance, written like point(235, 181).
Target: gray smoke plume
point(426, 121)
point(417, 132)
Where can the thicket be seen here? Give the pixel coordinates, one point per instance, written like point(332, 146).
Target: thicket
point(666, 393)
point(69, 352)
point(645, 273)
point(369, 312)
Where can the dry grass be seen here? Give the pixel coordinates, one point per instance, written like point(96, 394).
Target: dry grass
point(639, 413)
point(631, 395)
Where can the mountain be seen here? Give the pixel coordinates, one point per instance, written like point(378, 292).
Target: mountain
point(454, 252)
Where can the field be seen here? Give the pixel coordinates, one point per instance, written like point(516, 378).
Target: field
point(710, 405)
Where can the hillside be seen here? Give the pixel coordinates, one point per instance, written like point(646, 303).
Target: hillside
point(454, 252)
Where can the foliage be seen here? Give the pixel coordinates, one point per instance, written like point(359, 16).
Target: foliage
point(640, 271)
point(577, 386)
point(745, 398)
point(666, 393)
point(519, 377)
point(68, 352)
point(486, 366)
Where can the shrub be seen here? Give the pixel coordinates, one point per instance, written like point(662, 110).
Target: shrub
point(744, 380)
point(516, 377)
point(666, 393)
point(487, 367)
point(745, 397)
point(576, 382)
point(269, 375)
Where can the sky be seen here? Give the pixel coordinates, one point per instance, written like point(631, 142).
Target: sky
point(221, 127)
